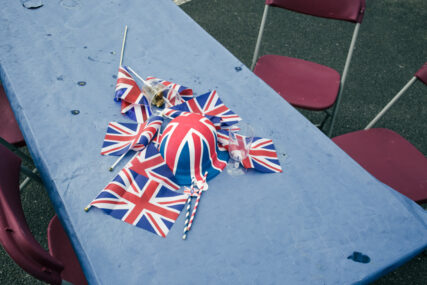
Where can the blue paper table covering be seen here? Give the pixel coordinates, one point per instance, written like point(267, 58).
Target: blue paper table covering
point(298, 227)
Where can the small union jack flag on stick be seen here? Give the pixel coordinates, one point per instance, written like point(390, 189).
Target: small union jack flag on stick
point(121, 137)
point(208, 104)
point(126, 88)
point(137, 106)
point(138, 111)
point(140, 201)
point(150, 163)
point(262, 153)
point(135, 103)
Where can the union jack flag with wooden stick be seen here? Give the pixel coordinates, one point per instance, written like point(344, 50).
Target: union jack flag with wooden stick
point(208, 104)
point(126, 88)
point(121, 137)
point(140, 201)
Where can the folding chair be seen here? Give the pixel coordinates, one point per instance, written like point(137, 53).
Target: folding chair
point(306, 84)
point(11, 137)
point(18, 241)
point(388, 156)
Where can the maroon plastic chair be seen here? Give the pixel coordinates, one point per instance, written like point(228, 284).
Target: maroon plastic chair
point(302, 83)
point(388, 156)
point(11, 137)
point(9, 129)
point(15, 236)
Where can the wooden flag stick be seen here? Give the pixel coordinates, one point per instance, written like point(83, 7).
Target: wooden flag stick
point(123, 45)
point(139, 77)
point(120, 158)
point(117, 161)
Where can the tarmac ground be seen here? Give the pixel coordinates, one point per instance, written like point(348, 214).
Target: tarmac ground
point(391, 47)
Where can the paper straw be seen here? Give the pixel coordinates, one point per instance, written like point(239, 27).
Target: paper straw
point(188, 207)
point(123, 46)
point(193, 214)
point(187, 216)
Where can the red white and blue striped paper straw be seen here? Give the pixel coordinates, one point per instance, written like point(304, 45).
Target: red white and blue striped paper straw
point(193, 214)
point(188, 207)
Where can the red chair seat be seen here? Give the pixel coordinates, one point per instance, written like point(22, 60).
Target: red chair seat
point(60, 247)
point(390, 158)
point(9, 129)
point(302, 83)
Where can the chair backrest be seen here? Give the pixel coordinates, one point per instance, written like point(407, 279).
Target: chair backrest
point(346, 10)
point(421, 74)
point(15, 235)
point(9, 129)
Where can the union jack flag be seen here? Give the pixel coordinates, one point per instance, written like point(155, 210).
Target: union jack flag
point(223, 138)
point(137, 112)
point(174, 93)
point(262, 154)
point(121, 137)
point(127, 89)
point(140, 201)
point(150, 163)
point(209, 104)
point(187, 145)
point(156, 140)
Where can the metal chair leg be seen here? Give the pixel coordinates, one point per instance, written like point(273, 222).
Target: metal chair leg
point(16, 150)
point(325, 119)
point(31, 174)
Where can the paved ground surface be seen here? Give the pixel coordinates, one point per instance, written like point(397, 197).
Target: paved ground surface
point(392, 46)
